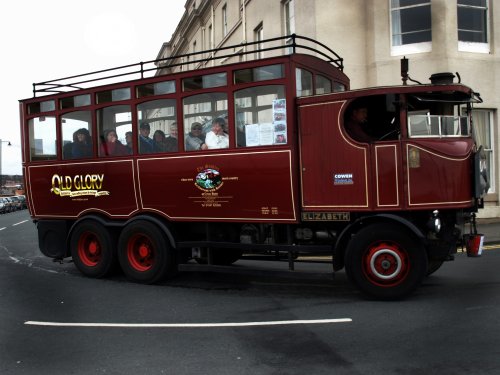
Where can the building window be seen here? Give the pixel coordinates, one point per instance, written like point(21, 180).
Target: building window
point(411, 26)
point(483, 132)
point(259, 37)
point(224, 20)
point(472, 25)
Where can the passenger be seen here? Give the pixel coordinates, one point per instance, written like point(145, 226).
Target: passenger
point(356, 124)
point(146, 144)
point(172, 144)
point(130, 141)
point(160, 141)
point(195, 140)
point(82, 144)
point(217, 138)
point(111, 145)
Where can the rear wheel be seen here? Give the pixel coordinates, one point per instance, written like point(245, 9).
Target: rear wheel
point(385, 263)
point(145, 254)
point(93, 249)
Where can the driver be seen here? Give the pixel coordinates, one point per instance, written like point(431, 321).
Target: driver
point(356, 124)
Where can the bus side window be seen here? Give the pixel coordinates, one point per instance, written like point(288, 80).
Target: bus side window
point(260, 116)
point(112, 124)
point(157, 126)
point(76, 135)
point(42, 133)
point(208, 111)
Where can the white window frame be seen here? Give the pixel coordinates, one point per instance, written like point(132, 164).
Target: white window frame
point(464, 46)
point(490, 152)
point(289, 17)
point(259, 37)
point(405, 49)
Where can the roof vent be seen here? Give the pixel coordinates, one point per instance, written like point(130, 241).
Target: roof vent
point(442, 78)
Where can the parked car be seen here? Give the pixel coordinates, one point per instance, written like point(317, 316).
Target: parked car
point(5, 205)
point(16, 202)
point(22, 198)
point(2, 206)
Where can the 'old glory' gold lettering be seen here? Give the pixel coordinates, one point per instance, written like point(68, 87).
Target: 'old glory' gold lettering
point(78, 182)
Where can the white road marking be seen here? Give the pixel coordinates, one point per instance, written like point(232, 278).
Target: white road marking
point(3, 228)
point(188, 325)
point(24, 221)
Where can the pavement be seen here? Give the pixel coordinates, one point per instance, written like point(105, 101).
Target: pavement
point(491, 230)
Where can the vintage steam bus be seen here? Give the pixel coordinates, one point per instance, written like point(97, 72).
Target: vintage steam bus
point(253, 157)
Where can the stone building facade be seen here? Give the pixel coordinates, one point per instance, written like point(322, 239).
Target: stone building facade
point(372, 36)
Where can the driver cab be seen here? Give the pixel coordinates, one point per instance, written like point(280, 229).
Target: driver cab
point(373, 118)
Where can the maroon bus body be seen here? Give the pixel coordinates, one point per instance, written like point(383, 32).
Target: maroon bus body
point(389, 211)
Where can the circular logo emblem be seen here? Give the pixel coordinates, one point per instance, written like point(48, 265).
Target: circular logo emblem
point(208, 179)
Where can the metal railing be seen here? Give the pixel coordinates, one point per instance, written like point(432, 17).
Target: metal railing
point(289, 44)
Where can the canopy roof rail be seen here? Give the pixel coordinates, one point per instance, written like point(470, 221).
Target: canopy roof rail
point(289, 44)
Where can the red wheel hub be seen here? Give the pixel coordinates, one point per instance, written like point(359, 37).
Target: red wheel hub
point(386, 264)
point(140, 253)
point(89, 249)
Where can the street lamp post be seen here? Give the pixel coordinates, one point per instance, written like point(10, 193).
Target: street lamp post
point(1, 175)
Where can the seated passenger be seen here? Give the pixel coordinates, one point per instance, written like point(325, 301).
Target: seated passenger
point(195, 140)
point(146, 144)
point(217, 138)
point(356, 123)
point(111, 146)
point(171, 141)
point(163, 143)
point(82, 144)
point(130, 141)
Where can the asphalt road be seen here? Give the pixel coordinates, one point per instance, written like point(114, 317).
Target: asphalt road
point(55, 321)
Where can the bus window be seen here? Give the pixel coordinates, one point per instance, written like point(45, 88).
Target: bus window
point(113, 95)
point(42, 131)
point(204, 81)
point(75, 101)
point(112, 124)
point(262, 73)
point(304, 82)
point(161, 116)
point(204, 109)
point(323, 85)
point(260, 116)
point(39, 107)
point(76, 135)
point(338, 87)
point(425, 124)
point(158, 88)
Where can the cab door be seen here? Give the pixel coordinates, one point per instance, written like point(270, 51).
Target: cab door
point(335, 172)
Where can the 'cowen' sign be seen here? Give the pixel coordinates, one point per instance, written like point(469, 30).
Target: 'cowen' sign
point(75, 186)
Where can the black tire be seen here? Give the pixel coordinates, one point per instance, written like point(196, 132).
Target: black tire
point(93, 248)
point(433, 266)
point(385, 263)
point(145, 254)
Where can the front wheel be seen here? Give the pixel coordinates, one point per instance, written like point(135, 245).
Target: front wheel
point(145, 254)
point(385, 263)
